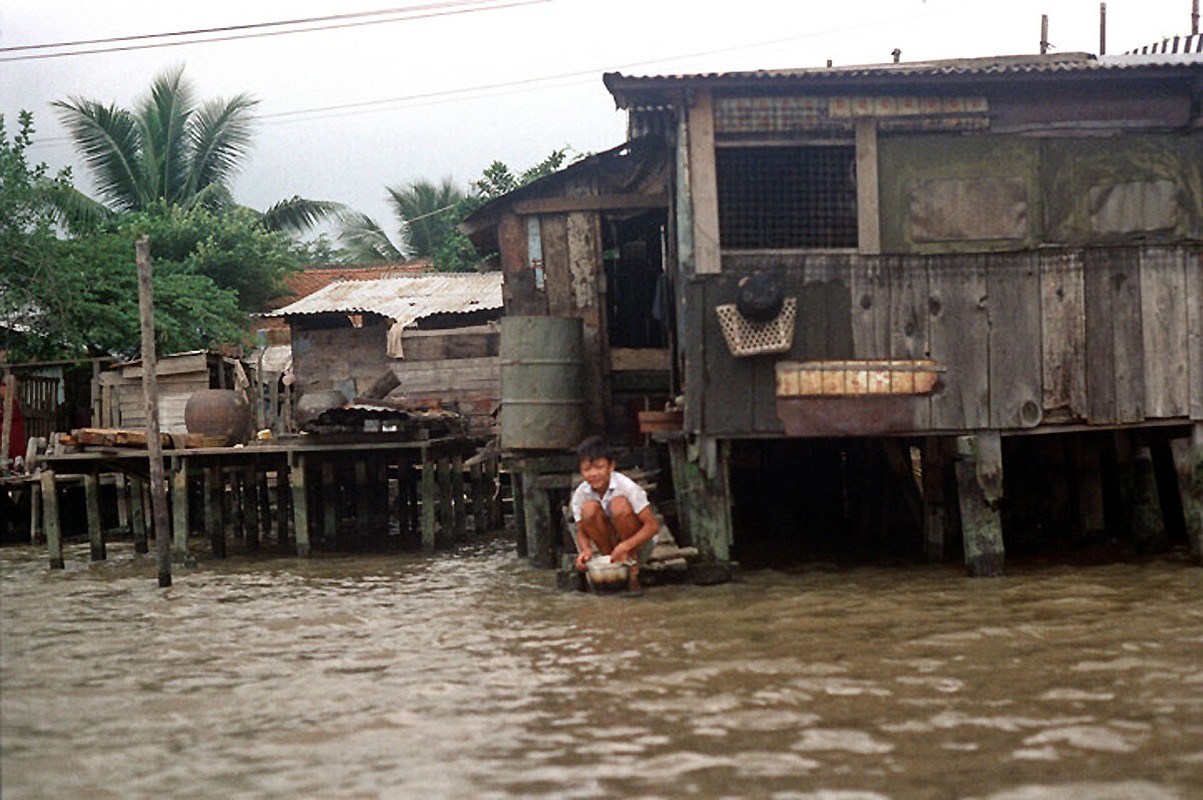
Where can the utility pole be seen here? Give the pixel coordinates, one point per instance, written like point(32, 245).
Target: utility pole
point(1102, 29)
point(150, 390)
point(1043, 34)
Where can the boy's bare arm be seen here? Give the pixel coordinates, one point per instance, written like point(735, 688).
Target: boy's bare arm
point(648, 528)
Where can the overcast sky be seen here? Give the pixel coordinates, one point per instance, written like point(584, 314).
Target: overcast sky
point(345, 112)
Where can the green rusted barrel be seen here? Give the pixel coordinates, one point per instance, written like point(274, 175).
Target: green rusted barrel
point(542, 383)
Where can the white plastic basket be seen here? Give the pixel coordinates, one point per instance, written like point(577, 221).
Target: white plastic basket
point(747, 338)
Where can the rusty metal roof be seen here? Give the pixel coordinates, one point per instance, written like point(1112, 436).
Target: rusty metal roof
point(1066, 64)
point(404, 299)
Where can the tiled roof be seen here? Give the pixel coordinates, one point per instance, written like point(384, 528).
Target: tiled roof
point(403, 299)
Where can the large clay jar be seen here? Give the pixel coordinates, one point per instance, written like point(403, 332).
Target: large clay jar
point(222, 416)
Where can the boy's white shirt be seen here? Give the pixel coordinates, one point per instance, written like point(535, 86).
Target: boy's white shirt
point(620, 486)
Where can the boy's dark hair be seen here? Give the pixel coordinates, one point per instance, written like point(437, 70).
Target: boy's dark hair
point(593, 448)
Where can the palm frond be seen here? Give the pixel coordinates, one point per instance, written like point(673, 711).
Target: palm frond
point(219, 134)
point(75, 211)
point(364, 240)
point(110, 142)
point(426, 211)
point(163, 116)
point(299, 214)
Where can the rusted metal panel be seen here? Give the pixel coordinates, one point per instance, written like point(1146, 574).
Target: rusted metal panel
point(968, 209)
point(850, 416)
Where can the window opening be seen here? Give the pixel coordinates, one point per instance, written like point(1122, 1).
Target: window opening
point(780, 198)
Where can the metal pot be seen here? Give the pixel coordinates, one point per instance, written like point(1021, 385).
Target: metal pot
point(603, 575)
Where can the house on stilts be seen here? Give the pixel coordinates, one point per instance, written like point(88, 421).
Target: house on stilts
point(913, 308)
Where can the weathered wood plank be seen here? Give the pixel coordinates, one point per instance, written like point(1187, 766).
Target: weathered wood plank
point(960, 342)
point(1013, 292)
point(553, 230)
point(1100, 339)
point(867, 187)
point(869, 281)
point(1063, 334)
point(1163, 302)
point(1127, 330)
point(979, 488)
point(51, 521)
point(1194, 332)
point(300, 504)
point(703, 185)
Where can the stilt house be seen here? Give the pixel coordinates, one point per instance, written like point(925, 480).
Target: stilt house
point(885, 282)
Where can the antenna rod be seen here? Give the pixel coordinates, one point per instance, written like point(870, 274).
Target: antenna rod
point(1102, 29)
point(1194, 17)
point(1043, 34)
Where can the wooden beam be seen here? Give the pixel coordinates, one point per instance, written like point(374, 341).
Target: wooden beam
point(1190, 482)
point(300, 504)
point(597, 202)
point(703, 186)
point(95, 530)
point(868, 211)
point(979, 488)
point(429, 498)
point(50, 519)
point(179, 515)
point(137, 500)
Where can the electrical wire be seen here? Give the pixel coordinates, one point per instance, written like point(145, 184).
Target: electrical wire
point(451, 11)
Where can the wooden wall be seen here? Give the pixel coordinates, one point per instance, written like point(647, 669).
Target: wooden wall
point(1103, 336)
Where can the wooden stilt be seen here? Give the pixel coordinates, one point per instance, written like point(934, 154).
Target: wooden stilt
point(1148, 525)
point(458, 498)
point(1168, 494)
point(480, 498)
point(265, 505)
point(120, 488)
point(233, 502)
point(703, 497)
point(284, 510)
point(1086, 487)
point(50, 519)
point(249, 495)
point(1190, 481)
point(300, 504)
point(179, 510)
point(35, 513)
point(496, 507)
point(446, 535)
point(935, 516)
point(536, 512)
point(979, 488)
point(517, 497)
point(137, 491)
point(328, 499)
point(429, 499)
point(364, 502)
point(214, 527)
point(95, 529)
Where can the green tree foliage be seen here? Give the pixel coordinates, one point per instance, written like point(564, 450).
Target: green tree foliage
point(169, 149)
point(429, 215)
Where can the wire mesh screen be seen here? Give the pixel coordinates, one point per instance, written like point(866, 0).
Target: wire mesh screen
point(777, 198)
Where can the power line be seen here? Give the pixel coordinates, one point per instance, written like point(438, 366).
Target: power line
point(248, 26)
point(443, 9)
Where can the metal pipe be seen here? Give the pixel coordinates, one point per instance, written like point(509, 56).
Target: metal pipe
point(1102, 29)
point(1194, 17)
point(1043, 34)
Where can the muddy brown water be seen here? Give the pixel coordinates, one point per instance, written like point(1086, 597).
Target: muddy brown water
point(469, 675)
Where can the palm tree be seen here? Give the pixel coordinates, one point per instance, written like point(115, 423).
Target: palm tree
point(171, 150)
point(427, 215)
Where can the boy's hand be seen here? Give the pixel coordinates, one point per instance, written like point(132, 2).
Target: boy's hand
point(620, 554)
point(582, 559)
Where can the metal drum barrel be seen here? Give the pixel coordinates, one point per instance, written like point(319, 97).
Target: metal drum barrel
point(542, 383)
point(222, 415)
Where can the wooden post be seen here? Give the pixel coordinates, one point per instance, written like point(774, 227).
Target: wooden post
point(517, 496)
point(50, 519)
point(150, 392)
point(265, 504)
point(137, 497)
point(480, 498)
point(283, 498)
point(6, 427)
point(536, 511)
point(300, 504)
point(1086, 484)
point(179, 507)
point(330, 505)
point(35, 513)
point(1148, 524)
point(935, 528)
point(250, 506)
point(215, 527)
point(457, 491)
point(979, 488)
point(446, 504)
point(1190, 481)
point(95, 529)
point(364, 502)
point(703, 497)
point(429, 499)
point(120, 488)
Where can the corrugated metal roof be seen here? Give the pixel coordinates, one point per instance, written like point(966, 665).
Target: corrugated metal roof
point(403, 300)
point(1059, 63)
